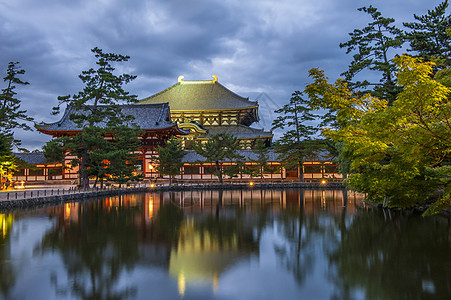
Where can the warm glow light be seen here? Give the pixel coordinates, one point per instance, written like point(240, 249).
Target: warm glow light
point(4, 227)
point(67, 211)
point(6, 222)
point(21, 186)
point(251, 183)
point(181, 284)
point(323, 181)
point(150, 167)
point(150, 208)
point(152, 185)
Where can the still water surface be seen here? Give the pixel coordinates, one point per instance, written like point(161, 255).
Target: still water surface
point(272, 244)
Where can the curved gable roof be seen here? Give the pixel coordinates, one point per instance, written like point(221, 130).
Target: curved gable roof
point(199, 95)
point(147, 117)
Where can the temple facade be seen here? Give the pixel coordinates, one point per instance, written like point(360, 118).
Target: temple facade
point(154, 120)
point(206, 108)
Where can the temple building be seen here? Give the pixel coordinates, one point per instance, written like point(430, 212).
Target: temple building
point(206, 108)
point(193, 111)
point(153, 119)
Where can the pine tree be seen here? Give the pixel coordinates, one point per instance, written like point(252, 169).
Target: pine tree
point(11, 116)
point(98, 104)
point(372, 46)
point(121, 158)
point(296, 144)
point(429, 37)
point(219, 148)
point(260, 163)
point(169, 159)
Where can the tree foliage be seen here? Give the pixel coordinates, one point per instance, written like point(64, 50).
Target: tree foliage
point(398, 153)
point(169, 159)
point(7, 160)
point(102, 87)
point(372, 46)
point(296, 144)
point(429, 35)
point(11, 116)
point(219, 148)
point(97, 110)
point(260, 164)
point(121, 157)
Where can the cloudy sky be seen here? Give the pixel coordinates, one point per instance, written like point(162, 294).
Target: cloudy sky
point(260, 49)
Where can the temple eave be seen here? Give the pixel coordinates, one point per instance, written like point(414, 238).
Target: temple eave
point(59, 133)
point(191, 111)
point(168, 130)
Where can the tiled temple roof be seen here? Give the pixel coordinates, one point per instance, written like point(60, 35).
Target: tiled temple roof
point(147, 117)
point(34, 158)
point(192, 156)
point(199, 95)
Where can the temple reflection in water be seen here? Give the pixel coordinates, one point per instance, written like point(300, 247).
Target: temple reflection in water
point(197, 235)
point(240, 244)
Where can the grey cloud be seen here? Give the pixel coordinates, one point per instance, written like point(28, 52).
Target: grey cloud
point(253, 46)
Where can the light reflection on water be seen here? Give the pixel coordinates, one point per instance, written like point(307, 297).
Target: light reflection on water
point(265, 244)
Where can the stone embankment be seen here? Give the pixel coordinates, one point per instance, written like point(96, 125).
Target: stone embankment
point(57, 199)
point(91, 194)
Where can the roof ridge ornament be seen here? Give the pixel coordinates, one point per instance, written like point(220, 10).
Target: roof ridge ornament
point(215, 78)
point(180, 79)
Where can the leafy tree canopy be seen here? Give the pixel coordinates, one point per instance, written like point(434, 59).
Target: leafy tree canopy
point(398, 153)
point(8, 162)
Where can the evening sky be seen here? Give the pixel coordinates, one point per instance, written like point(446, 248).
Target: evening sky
point(261, 49)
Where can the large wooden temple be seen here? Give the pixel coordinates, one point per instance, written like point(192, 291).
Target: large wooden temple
point(192, 111)
point(207, 108)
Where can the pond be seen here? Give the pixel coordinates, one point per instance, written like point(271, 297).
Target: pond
point(258, 244)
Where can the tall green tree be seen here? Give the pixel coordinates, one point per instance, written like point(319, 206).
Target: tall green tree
point(219, 148)
point(297, 142)
point(397, 152)
point(114, 159)
point(260, 162)
point(429, 35)
point(122, 156)
point(98, 105)
point(372, 46)
point(11, 116)
point(7, 161)
point(169, 159)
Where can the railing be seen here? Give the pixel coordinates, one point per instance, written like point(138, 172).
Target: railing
point(28, 193)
